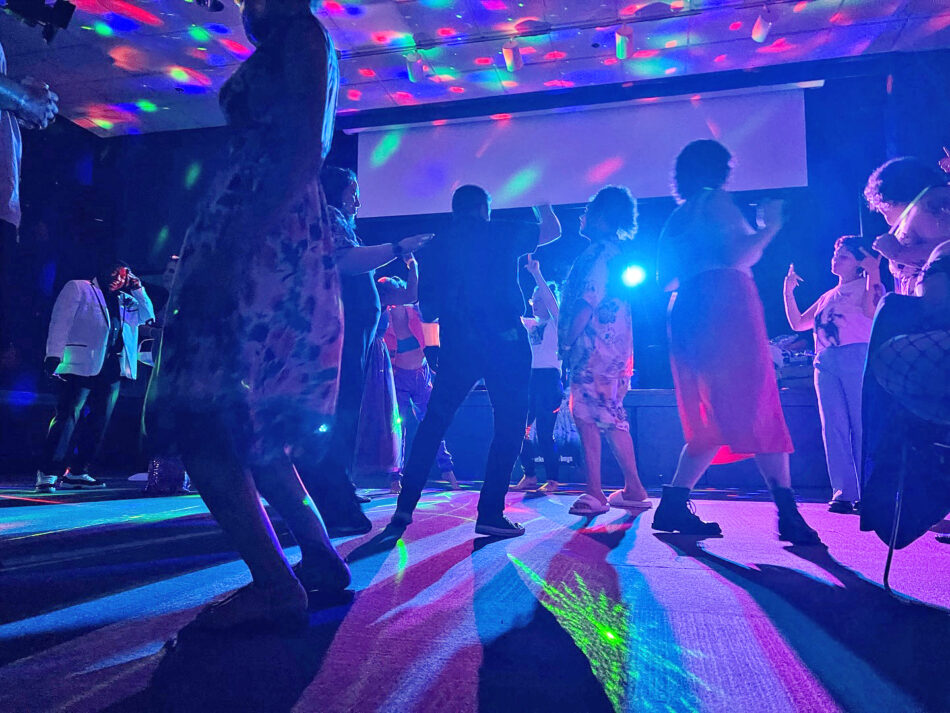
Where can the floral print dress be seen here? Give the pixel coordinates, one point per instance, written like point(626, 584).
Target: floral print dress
point(254, 325)
point(601, 360)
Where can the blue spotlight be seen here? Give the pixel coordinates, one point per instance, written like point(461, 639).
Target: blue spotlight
point(634, 275)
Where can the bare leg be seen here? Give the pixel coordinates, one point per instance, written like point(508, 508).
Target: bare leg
point(775, 470)
point(280, 484)
point(621, 444)
point(590, 440)
point(692, 464)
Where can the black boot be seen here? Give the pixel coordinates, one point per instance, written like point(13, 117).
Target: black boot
point(675, 514)
point(791, 525)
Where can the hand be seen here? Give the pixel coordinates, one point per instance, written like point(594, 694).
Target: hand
point(132, 282)
point(792, 280)
point(871, 264)
point(49, 367)
point(414, 242)
point(38, 107)
point(888, 245)
point(533, 266)
point(409, 259)
point(770, 214)
point(944, 163)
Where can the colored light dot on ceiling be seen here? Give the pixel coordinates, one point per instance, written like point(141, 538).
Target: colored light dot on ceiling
point(645, 54)
point(103, 123)
point(559, 83)
point(457, 90)
point(630, 9)
point(500, 117)
point(199, 34)
point(146, 106)
point(555, 54)
point(366, 72)
point(192, 174)
point(611, 60)
point(445, 32)
point(735, 26)
point(493, 5)
point(354, 10)
point(720, 58)
point(332, 7)
point(104, 30)
point(402, 96)
point(380, 38)
point(670, 70)
point(440, 122)
point(483, 61)
point(219, 29)
point(354, 94)
point(236, 48)
point(671, 44)
point(800, 6)
point(678, 4)
point(178, 74)
point(509, 83)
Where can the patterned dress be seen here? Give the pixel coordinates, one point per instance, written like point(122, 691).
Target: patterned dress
point(601, 360)
point(254, 327)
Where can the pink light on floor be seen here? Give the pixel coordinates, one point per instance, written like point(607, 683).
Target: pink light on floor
point(604, 170)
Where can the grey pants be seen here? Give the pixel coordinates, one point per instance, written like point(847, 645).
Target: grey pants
point(839, 372)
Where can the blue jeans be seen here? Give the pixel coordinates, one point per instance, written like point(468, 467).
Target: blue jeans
point(413, 389)
point(839, 372)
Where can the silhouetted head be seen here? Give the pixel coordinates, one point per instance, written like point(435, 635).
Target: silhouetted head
point(471, 202)
point(341, 189)
point(701, 164)
point(610, 213)
point(896, 183)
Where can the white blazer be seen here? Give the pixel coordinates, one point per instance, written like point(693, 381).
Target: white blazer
point(79, 328)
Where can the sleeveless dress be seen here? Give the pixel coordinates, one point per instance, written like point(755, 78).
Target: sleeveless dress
point(253, 331)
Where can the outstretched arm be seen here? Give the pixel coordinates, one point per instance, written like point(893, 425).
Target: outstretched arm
point(544, 292)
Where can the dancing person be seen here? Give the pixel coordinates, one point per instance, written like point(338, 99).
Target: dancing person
point(725, 383)
point(91, 348)
point(481, 338)
point(914, 199)
point(545, 387)
point(596, 335)
point(412, 376)
point(906, 401)
point(841, 318)
point(250, 353)
point(328, 477)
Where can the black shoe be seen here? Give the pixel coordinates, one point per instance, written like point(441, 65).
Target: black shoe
point(676, 513)
point(351, 526)
point(841, 507)
point(79, 482)
point(791, 525)
point(498, 527)
point(330, 575)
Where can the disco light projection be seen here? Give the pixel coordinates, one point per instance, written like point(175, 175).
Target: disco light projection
point(634, 275)
point(387, 146)
point(192, 174)
point(522, 181)
point(604, 170)
point(403, 559)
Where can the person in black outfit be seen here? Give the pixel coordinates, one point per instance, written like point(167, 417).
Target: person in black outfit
point(481, 338)
point(327, 478)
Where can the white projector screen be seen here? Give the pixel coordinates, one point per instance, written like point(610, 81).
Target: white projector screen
point(565, 157)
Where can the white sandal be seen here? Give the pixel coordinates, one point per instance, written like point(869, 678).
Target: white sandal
point(617, 500)
point(587, 504)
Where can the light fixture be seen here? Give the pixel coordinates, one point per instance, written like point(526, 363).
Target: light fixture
point(763, 23)
point(624, 38)
point(512, 52)
point(415, 67)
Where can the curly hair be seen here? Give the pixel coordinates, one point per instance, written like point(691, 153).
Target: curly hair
point(618, 208)
point(335, 180)
point(857, 245)
point(701, 164)
point(900, 180)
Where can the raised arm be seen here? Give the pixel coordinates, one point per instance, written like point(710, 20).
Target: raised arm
point(544, 291)
point(797, 320)
point(550, 226)
point(873, 289)
point(391, 294)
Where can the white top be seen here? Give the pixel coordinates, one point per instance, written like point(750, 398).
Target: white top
point(840, 318)
point(11, 147)
point(542, 333)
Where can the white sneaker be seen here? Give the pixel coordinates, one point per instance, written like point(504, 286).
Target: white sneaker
point(80, 482)
point(45, 483)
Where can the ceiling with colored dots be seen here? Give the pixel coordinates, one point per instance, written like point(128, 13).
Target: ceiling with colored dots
point(136, 66)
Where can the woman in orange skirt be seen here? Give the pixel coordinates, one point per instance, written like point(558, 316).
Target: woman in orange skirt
point(725, 383)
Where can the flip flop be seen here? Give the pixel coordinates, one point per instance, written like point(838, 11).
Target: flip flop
point(588, 505)
point(617, 500)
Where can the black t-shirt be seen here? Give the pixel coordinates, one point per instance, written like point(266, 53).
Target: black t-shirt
point(469, 275)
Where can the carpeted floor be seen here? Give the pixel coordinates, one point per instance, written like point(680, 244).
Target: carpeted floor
point(96, 596)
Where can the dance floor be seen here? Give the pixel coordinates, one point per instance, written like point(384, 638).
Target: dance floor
point(97, 596)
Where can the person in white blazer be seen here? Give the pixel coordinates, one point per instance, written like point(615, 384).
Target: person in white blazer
point(92, 345)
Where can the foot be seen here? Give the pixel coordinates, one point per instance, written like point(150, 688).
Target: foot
point(676, 513)
point(83, 481)
point(395, 487)
point(793, 528)
point(401, 520)
point(328, 573)
point(499, 526)
point(450, 478)
point(841, 507)
point(352, 522)
point(526, 483)
point(45, 483)
point(253, 604)
point(551, 486)
point(622, 499)
point(589, 504)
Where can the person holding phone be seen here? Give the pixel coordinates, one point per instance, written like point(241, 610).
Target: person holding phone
point(92, 346)
point(842, 319)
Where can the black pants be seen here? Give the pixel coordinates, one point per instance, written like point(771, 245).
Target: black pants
point(99, 393)
point(9, 282)
point(546, 395)
point(504, 362)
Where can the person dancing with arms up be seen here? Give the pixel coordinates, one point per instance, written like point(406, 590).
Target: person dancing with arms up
point(596, 332)
point(250, 355)
point(725, 383)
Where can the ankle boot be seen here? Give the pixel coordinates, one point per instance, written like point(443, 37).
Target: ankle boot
point(675, 514)
point(791, 525)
